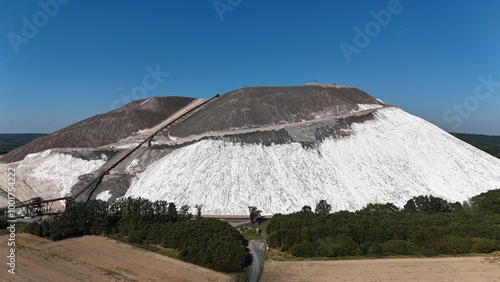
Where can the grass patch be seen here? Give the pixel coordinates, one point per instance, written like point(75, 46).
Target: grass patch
point(251, 234)
point(159, 249)
point(169, 252)
point(277, 255)
point(263, 227)
point(20, 227)
point(113, 274)
point(243, 276)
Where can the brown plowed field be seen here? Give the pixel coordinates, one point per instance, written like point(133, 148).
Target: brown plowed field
point(470, 269)
point(95, 258)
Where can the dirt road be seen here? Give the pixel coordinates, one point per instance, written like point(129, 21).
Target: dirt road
point(194, 138)
point(258, 250)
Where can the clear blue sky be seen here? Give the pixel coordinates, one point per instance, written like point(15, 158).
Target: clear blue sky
point(87, 57)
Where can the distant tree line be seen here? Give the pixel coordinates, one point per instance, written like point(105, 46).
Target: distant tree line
point(488, 143)
point(494, 151)
point(426, 226)
point(207, 242)
point(9, 142)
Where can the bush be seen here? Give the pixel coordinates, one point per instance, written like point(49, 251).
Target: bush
point(488, 202)
point(453, 245)
point(396, 247)
point(482, 245)
point(375, 250)
point(209, 242)
point(428, 252)
point(305, 249)
point(34, 229)
point(136, 237)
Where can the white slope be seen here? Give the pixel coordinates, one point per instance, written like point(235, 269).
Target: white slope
point(104, 195)
point(389, 159)
point(364, 107)
point(21, 191)
point(52, 174)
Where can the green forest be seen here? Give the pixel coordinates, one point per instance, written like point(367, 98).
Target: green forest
point(206, 242)
point(487, 143)
point(9, 142)
point(426, 226)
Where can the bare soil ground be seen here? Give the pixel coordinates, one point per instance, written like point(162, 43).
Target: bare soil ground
point(405, 269)
point(95, 258)
point(252, 107)
point(332, 119)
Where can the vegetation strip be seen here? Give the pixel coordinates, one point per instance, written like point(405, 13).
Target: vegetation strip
point(206, 242)
point(426, 226)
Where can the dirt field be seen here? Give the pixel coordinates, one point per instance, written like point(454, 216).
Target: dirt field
point(409, 269)
point(93, 258)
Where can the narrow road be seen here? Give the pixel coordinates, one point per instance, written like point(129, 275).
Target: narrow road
point(197, 137)
point(258, 250)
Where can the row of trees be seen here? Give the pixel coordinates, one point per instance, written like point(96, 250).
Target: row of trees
point(426, 226)
point(488, 143)
point(9, 142)
point(321, 208)
point(207, 242)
